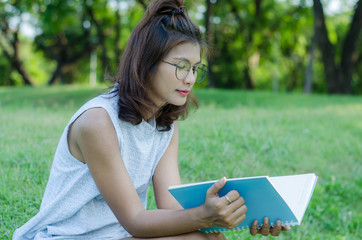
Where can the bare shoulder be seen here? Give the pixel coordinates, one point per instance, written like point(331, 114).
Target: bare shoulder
point(93, 127)
point(93, 119)
point(94, 124)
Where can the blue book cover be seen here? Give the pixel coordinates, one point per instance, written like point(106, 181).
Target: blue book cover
point(261, 198)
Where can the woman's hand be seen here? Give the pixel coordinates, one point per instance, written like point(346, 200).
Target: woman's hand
point(266, 229)
point(228, 211)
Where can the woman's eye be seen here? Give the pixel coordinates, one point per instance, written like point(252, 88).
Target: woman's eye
point(184, 65)
point(181, 67)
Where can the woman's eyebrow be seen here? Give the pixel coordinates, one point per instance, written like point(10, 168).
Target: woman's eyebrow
point(182, 58)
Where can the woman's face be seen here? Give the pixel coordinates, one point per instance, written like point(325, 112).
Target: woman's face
point(165, 86)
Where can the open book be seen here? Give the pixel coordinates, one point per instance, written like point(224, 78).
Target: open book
point(282, 198)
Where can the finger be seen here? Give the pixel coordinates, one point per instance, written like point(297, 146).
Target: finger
point(275, 231)
point(239, 201)
point(254, 228)
point(240, 210)
point(240, 219)
point(214, 189)
point(235, 205)
point(239, 214)
point(233, 195)
point(265, 227)
point(226, 197)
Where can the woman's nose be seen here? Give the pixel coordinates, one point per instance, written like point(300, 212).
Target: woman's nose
point(191, 77)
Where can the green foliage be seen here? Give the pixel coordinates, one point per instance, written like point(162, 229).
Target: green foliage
point(270, 45)
point(288, 30)
point(36, 64)
point(232, 134)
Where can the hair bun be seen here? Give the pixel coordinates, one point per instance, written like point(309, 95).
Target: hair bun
point(178, 11)
point(166, 7)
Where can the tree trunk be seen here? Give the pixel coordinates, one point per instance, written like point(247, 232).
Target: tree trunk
point(248, 80)
point(117, 29)
point(14, 57)
point(308, 84)
point(338, 78)
point(210, 40)
point(64, 61)
point(327, 48)
point(102, 42)
point(349, 50)
point(18, 65)
point(56, 74)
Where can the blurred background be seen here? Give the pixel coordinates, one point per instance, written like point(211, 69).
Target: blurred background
point(279, 45)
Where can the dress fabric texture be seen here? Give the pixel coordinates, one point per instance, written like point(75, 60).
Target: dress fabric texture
point(72, 206)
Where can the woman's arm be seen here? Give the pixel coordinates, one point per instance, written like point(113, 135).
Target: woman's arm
point(94, 136)
point(167, 174)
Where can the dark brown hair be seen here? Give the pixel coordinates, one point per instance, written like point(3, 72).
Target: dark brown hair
point(164, 26)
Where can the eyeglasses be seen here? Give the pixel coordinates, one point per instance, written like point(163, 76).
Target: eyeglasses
point(183, 68)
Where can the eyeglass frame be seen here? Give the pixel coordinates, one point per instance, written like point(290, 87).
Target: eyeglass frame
point(191, 67)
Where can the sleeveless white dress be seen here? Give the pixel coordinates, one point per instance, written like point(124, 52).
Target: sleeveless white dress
point(72, 207)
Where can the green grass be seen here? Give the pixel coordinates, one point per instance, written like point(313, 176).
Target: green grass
point(232, 134)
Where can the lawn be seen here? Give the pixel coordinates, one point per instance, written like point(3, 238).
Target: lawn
point(232, 134)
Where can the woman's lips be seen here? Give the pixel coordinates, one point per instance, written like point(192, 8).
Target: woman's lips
point(183, 92)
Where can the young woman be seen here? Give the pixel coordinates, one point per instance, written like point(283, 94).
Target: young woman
point(117, 143)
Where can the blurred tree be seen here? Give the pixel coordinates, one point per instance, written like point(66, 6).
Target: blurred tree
point(111, 29)
point(248, 29)
point(252, 36)
point(292, 31)
point(65, 37)
point(227, 45)
point(338, 76)
point(10, 20)
point(107, 24)
point(254, 44)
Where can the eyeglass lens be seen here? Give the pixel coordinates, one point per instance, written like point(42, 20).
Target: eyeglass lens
point(183, 68)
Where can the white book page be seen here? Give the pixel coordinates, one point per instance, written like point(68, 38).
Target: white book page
point(296, 191)
point(212, 181)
